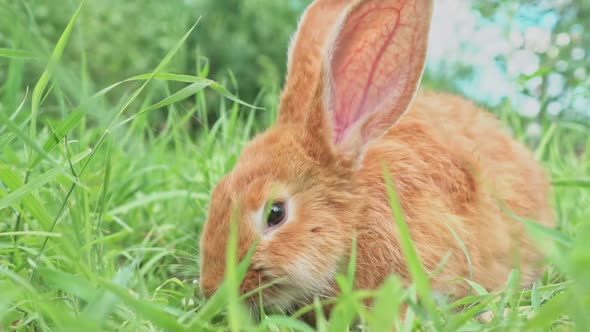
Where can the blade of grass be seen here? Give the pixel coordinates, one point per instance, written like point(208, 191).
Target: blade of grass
point(105, 302)
point(549, 312)
point(413, 262)
point(535, 301)
point(128, 102)
point(9, 296)
point(197, 84)
point(352, 263)
point(457, 321)
point(153, 197)
point(470, 300)
point(286, 322)
point(29, 201)
point(58, 134)
point(74, 117)
point(321, 323)
point(217, 87)
point(35, 183)
point(464, 249)
point(482, 294)
point(18, 110)
point(6, 139)
point(220, 298)
point(101, 209)
point(153, 312)
point(545, 140)
point(180, 95)
point(15, 53)
point(30, 143)
point(387, 305)
point(69, 283)
point(512, 286)
point(39, 88)
point(107, 238)
point(580, 182)
point(538, 229)
point(30, 233)
point(236, 315)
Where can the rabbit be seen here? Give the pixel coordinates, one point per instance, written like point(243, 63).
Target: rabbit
point(313, 184)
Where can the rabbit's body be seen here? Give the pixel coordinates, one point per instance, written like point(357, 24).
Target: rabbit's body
point(303, 189)
point(450, 177)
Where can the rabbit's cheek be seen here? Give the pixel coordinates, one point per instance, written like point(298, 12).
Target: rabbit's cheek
point(309, 276)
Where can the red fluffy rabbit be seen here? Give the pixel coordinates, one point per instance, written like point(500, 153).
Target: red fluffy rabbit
point(350, 104)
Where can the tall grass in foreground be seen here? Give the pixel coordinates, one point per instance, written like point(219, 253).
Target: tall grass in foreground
point(100, 214)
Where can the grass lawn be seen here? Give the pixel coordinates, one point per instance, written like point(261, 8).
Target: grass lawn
point(104, 191)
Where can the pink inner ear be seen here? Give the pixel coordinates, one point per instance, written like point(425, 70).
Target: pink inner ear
point(377, 62)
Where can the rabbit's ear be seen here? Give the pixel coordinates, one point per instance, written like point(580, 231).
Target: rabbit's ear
point(305, 57)
point(373, 68)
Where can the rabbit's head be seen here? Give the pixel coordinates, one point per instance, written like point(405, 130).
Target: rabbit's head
point(353, 70)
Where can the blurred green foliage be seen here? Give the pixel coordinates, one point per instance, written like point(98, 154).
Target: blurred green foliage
point(124, 38)
point(561, 81)
point(249, 39)
point(113, 40)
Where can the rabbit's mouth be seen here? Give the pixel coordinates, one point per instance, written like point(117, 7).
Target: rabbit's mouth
point(271, 293)
point(286, 288)
point(279, 295)
point(282, 298)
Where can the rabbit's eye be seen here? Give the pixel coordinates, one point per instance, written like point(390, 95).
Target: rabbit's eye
point(276, 214)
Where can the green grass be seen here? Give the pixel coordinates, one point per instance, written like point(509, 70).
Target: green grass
point(103, 195)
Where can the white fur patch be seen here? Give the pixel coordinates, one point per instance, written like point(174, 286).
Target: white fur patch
point(308, 277)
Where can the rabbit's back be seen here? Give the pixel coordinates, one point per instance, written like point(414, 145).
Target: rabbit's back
point(451, 164)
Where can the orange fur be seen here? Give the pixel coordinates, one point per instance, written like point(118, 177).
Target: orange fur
point(450, 162)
